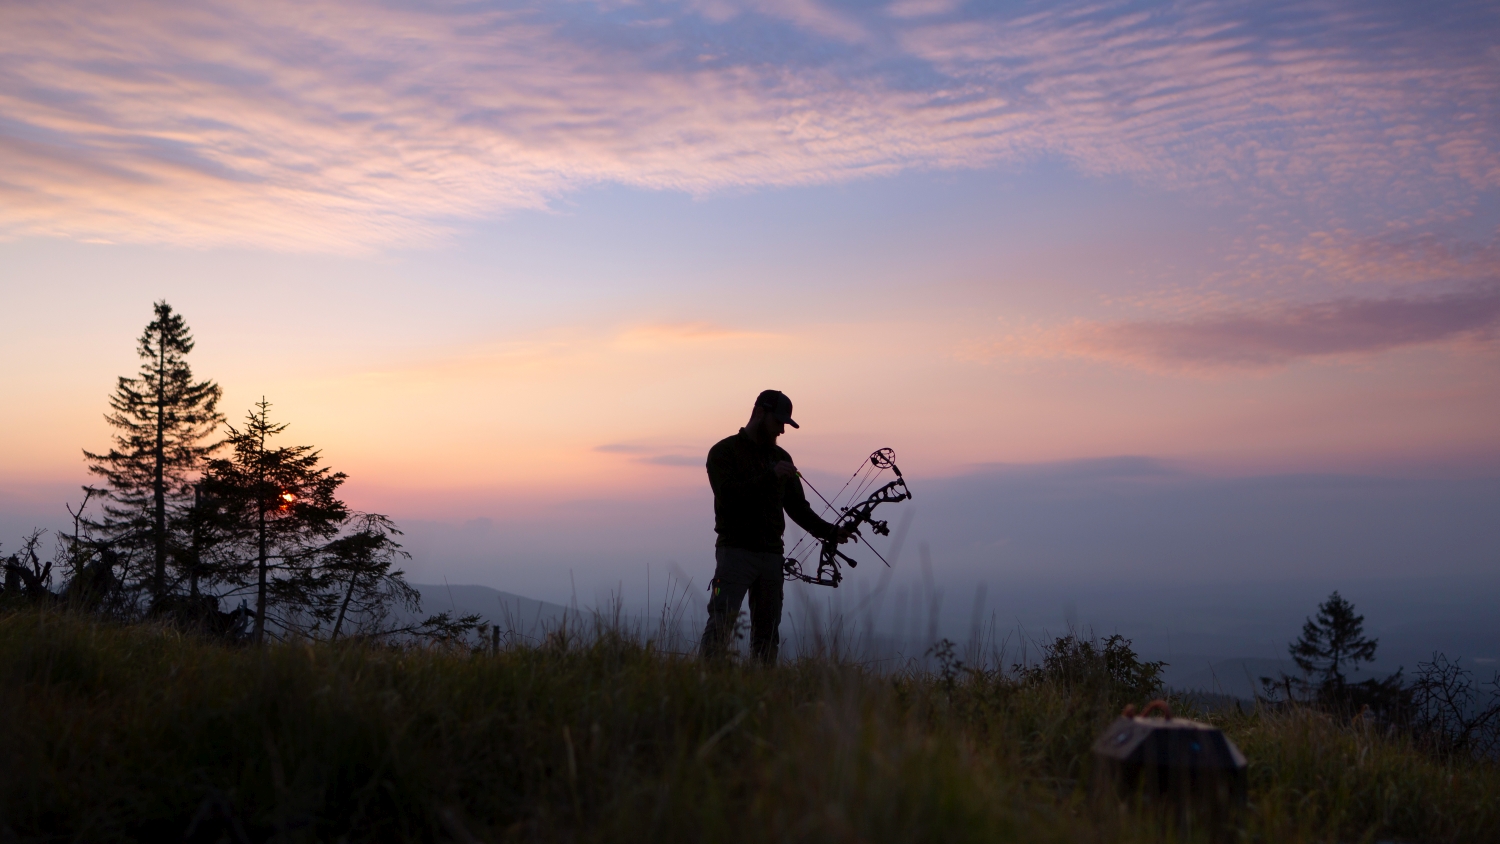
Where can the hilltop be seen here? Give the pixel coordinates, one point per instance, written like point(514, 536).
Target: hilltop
point(117, 733)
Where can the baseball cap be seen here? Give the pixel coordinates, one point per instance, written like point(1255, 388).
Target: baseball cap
point(779, 405)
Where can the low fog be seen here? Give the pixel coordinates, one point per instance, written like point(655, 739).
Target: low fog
point(1214, 575)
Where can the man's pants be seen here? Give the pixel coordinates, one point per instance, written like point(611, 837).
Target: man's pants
point(737, 572)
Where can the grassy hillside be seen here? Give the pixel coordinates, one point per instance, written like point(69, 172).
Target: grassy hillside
point(139, 733)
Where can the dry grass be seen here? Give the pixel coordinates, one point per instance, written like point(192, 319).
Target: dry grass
point(133, 733)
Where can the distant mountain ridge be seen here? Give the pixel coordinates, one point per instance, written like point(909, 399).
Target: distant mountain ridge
point(506, 610)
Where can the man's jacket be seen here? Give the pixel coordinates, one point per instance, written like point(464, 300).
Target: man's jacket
point(749, 499)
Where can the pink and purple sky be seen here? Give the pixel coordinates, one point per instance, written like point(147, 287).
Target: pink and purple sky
point(524, 262)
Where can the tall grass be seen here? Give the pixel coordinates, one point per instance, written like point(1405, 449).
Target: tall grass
point(142, 733)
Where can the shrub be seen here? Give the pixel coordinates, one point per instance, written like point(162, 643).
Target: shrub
point(1112, 674)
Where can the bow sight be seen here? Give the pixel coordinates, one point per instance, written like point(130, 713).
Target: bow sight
point(830, 558)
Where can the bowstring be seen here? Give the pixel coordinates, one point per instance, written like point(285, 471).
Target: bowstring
point(851, 479)
point(828, 507)
point(866, 475)
point(868, 481)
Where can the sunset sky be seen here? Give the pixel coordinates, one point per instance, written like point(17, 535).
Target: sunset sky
point(508, 261)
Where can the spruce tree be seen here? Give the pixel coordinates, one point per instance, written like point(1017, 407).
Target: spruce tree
point(1332, 643)
point(163, 420)
point(361, 586)
point(280, 506)
point(360, 574)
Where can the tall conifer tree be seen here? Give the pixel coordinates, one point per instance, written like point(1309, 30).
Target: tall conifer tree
point(163, 421)
point(281, 507)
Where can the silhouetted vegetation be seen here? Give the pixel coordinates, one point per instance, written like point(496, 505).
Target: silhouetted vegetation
point(27, 577)
point(276, 508)
point(183, 523)
point(1444, 709)
point(164, 420)
point(1112, 670)
point(128, 733)
point(1453, 714)
point(1331, 645)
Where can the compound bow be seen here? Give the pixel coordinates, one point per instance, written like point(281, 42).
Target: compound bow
point(830, 558)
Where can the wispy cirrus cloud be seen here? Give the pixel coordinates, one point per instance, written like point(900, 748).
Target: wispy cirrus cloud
point(922, 8)
point(1272, 336)
point(1400, 258)
point(810, 15)
point(339, 126)
point(1286, 100)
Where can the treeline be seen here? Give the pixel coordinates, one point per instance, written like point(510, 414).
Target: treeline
point(191, 515)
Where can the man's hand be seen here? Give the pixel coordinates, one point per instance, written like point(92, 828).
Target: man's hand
point(784, 469)
point(845, 533)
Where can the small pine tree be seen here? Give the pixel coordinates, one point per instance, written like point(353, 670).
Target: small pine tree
point(163, 420)
point(279, 504)
point(361, 586)
point(360, 574)
point(1332, 643)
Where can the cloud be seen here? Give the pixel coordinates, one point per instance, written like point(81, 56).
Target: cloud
point(921, 8)
point(1401, 258)
point(816, 17)
point(343, 126)
point(622, 448)
point(1289, 102)
point(1088, 469)
point(673, 460)
point(650, 455)
point(1276, 335)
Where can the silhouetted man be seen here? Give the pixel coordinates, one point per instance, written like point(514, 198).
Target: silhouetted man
point(754, 481)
